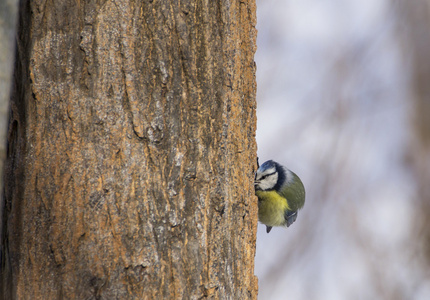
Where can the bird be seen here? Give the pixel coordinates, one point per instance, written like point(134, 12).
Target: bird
point(280, 194)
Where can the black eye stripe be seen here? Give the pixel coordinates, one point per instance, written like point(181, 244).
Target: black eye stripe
point(267, 175)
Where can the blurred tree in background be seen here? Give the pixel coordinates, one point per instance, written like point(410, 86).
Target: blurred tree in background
point(8, 10)
point(415, 22)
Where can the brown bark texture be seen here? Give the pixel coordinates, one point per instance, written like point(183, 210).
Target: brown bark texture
point(131, 151)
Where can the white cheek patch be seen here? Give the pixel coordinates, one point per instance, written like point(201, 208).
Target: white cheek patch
point(269, 182)
point(267, 179)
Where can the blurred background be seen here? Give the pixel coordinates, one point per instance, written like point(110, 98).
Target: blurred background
point(8, 10)
point(343, 92)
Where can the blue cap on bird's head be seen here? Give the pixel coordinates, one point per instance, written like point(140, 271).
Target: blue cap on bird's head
point(267, 165)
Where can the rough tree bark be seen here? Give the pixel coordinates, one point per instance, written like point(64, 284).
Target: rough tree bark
point(131, 151)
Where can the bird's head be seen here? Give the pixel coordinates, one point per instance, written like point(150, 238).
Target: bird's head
point(269, 176)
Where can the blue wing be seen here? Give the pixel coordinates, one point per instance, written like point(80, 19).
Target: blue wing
point(290, 217)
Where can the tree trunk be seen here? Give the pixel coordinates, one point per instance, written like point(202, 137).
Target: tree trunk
point(131, 151)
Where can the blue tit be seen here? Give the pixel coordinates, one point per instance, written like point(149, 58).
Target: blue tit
point(280, 195)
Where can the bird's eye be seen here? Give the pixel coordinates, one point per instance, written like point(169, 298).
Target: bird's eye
point(267, 175)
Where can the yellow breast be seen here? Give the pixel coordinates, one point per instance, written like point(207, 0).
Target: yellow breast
point(271, 208)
